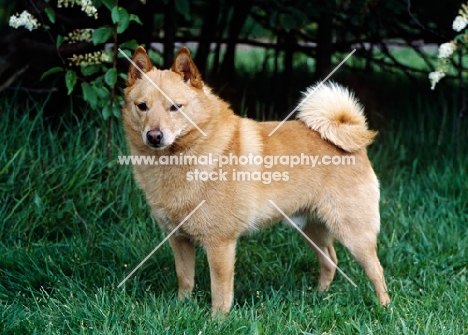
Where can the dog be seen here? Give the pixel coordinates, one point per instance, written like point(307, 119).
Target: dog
point(172, 114)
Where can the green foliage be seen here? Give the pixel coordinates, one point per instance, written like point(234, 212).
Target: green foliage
point(70, 80)
point(50, 14)
point(51, 71)
point(292, 25)
point(102, 35)
point(59, 41)
point(120, 17)
point(97, 71)
point(111, 77)
point(183, 7)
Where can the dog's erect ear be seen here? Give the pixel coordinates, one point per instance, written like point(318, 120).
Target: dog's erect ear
point(141, 59)
point(184, 65)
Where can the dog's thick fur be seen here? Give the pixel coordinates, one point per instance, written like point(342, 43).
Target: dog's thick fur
point(335, 201)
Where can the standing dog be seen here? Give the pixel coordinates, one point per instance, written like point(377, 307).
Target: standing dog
point(250, 173)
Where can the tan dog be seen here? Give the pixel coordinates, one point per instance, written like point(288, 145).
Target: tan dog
point(333, 200)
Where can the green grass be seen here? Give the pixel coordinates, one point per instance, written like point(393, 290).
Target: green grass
point(72, 225)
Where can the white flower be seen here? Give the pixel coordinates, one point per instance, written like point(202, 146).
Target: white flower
point(459, 23)
point(105, 57)
point(96, 57)
point(446, 49)
point(86, 6)
point(435, 77)
point(24, 19)
point(79, 35)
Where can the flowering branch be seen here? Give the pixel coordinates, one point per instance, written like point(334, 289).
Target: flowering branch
point(25, 19)
point(446, 50)
point(96, 72)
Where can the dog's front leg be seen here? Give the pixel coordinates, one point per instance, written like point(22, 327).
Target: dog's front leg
point(221, 257)
point(184, 255)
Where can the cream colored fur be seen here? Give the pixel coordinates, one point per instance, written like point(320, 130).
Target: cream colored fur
point(334, 201)
point(333, 111)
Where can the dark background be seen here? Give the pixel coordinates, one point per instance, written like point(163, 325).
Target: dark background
point(300, 42)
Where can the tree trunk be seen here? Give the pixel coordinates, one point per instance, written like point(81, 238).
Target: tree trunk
point(289, 42)
point(324, 45)
point(169, 35)
point(207, 34)
point(241, 10)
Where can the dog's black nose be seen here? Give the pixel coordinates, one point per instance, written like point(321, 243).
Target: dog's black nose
point(155, 137)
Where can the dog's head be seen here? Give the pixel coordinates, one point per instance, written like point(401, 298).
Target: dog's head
point(163, 106)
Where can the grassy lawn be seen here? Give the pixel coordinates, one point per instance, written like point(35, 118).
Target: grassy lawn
point(73, 225)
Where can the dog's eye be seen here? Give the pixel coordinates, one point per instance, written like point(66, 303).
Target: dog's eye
point(142, 106)
point(175, 107)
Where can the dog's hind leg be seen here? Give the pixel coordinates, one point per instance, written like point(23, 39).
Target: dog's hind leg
point(322, 239)
point(362, 243)
point(184, 255)
point(357, 229)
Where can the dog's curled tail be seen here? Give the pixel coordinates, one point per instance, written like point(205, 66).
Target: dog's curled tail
point(336, 115)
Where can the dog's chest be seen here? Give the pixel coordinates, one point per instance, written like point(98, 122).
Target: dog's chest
point(170, 196)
